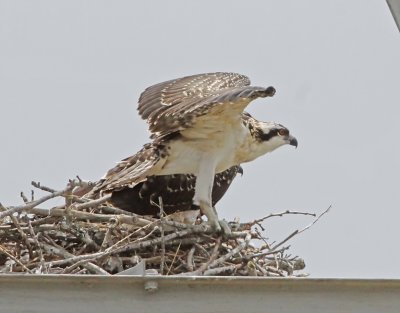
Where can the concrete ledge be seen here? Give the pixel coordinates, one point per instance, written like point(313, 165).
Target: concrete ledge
point(69, 293)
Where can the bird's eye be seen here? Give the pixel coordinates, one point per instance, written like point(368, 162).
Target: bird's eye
point(283, 132)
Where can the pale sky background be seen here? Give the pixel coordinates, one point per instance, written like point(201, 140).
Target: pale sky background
point(72, 71)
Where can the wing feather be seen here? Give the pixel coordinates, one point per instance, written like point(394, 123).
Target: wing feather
point(220, 107)
point(172, 92)
point(178, 104)
point(134, 169)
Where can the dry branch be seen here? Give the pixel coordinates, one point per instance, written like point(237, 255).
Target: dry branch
point(89, 236)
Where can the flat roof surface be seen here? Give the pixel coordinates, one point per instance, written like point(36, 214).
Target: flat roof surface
point(85, 293)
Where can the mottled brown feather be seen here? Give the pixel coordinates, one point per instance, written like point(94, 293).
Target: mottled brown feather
point(173, 92)
point(133, 170)
point(176, 191)
point(175, 105)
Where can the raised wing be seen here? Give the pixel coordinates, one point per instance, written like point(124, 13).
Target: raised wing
point(155, 99)
point(132, 170)
point(179, 104)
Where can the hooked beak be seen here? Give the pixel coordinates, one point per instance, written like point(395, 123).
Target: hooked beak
point(292, 141)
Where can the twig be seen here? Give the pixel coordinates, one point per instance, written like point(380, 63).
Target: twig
point(2, 249)
point(19, 229)
point(213, 256)
point(281, 214)
point(68, 239)
point(63, 253)
point(190, 258)
point(173, 260)
point(219, 270)
point(112, 210)
point(257, 255)
point(316, 220)
point(31, 205)
point(44, 188)
point(93, 217)
point(83, 263)
point(40, 252)
point(182, 233)
point(234, 251)
point(93, 203)
point(161, 206)
point(24, 198)
point(296, 232)
point(23, 235)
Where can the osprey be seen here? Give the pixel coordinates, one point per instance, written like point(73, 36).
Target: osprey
point(199, 127)
point(176, 192)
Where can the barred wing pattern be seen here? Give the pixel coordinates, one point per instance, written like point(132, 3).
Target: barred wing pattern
point(176, 191)
point(134, 169)
point(177, 104)
point(156, 99)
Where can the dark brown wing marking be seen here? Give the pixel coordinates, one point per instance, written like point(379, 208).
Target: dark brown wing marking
point(177, 192)
point(133, 170)
point(155, 99)
point(176, 105)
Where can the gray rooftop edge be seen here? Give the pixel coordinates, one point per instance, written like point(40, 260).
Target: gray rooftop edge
point(67, 293)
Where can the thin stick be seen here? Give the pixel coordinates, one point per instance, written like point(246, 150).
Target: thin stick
point(161, 206)
point(65, 254)
point(190, 258)
point(173, 260)
point(22, 233)
point(2, 249)
point(213, 256)
point(93, 217)
point(93, 203)
point(296, 232)
point(219, 270)
point(40, 252)
point(24, 198)
point(69, 269)
point(44, 188)
point(257, 255)
point(32, 204)
point(281, 214)
point(19, 229)
point(234, 251)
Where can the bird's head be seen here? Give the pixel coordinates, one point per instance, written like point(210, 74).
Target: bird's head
point(274, 135)
point(267, 136)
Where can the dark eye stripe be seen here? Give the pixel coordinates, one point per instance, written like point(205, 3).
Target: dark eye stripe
point(266, 137)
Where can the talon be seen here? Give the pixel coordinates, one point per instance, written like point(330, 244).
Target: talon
point(226, 230)
point(221, 227)
point(215, 226)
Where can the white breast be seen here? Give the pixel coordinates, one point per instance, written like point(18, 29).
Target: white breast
point(219, 147)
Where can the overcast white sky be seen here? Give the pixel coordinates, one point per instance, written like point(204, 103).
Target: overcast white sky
point(71, 73)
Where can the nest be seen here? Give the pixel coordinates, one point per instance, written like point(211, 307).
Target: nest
point(88, 237)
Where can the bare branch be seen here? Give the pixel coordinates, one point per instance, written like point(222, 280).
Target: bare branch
point(296, 232)
point(88, 236)
point(30, 205)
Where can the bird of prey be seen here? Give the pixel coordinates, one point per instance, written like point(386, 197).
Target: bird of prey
point(176, 192)
point(199, 127)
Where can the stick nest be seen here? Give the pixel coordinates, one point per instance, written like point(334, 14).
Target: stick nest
point(88, 237)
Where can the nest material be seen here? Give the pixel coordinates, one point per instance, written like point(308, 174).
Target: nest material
point(88, 237)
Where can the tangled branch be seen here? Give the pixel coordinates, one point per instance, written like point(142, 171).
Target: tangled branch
point(90, 237)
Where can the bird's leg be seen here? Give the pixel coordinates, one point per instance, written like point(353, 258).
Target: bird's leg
point(212, 218)
point(223, 224)
point(203, 192)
